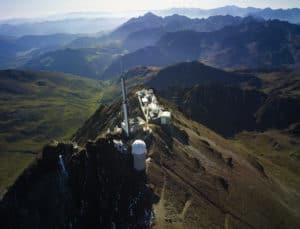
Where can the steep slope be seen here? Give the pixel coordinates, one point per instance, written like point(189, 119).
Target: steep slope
point(149, 20)
point(194, 152)
point(194, 179)
point(36, 107)
point(187, 74)
point(229, 102)
point(250, 44)
point(205, 183)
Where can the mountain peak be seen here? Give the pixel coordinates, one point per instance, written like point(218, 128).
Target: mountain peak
point(150, 14)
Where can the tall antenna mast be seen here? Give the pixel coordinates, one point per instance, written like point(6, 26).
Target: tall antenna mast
point(125, 111)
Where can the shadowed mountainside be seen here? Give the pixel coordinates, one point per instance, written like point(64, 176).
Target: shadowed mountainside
point(229, 102)
point(249, 44)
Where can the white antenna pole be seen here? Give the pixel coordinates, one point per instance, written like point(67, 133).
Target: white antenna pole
point(125, 104)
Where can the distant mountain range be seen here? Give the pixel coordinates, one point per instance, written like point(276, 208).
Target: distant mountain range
point(145, 31)
point(203, 13)
point(83, 56)
point(151, 40)
point(252, 43)
point(71, 26)
point(290, 15)
point(93, 22)
point(15, 52)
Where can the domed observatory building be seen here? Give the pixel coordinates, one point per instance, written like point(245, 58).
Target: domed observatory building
point(139, 151)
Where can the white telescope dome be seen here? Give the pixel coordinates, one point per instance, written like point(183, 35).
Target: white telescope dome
point(139, 151)
point(139, 147)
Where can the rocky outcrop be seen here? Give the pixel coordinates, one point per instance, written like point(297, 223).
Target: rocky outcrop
point(99, 189)
point(40, 197)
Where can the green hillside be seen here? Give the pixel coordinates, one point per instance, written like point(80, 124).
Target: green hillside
point(36, 107)
point(39, 106)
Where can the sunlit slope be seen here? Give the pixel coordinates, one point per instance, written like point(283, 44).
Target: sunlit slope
point(39, 106)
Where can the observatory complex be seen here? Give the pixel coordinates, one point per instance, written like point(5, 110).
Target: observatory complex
point(152, 111)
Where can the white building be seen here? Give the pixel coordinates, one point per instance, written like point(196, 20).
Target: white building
point(165, 118)
point(139, 151)
point(153, 107)
point(145, 101)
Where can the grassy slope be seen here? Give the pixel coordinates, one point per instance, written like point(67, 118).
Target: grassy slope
point(36, 107)
point(278, 152)
point(261, 201)
point(11, 166)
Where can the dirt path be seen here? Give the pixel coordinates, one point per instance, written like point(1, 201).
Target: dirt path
point(159, 208)
point(185, 208)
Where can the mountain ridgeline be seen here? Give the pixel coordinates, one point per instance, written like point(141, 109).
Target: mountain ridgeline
point(137, 33)
point(291, 15)
point(229, 102)
point(249, 44)
point(151, 40)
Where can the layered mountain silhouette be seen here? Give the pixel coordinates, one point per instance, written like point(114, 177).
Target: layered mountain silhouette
point(147, 29)
point(135, 34)
point(77, 25)
point(14, 52)
point(227, 102)
point(249, 44)
point(150, 40)
point(290, 15)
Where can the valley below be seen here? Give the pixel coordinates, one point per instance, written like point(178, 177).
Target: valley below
point(37, 107)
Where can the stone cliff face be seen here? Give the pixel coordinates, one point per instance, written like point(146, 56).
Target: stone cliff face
point(99, 189)
point(230, 110)
point(230, 102)
point(226, 110)
point(105, 188)
point(39, 198)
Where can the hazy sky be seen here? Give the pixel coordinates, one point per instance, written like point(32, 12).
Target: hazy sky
point(35, 8)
